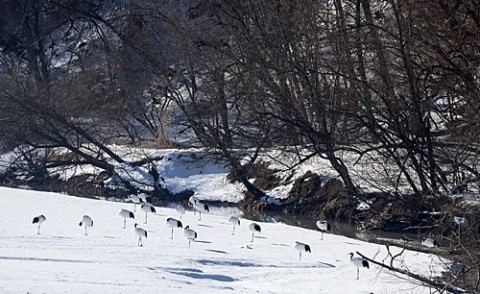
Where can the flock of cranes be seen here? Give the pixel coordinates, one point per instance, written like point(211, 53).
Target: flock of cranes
point(191, 235)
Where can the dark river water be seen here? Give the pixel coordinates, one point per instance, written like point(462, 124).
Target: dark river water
point(338, 228)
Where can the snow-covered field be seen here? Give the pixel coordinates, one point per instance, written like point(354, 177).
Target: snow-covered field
point(63, 260)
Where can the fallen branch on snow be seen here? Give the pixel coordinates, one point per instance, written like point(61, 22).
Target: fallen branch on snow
point(425, 280)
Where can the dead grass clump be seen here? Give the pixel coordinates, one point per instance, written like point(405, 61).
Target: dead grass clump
point(251, 205)
point(265, 178)
point(315, 189)
point(304, 187)
point(340, 208)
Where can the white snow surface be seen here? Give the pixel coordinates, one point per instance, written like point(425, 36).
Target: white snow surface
point(63, 260)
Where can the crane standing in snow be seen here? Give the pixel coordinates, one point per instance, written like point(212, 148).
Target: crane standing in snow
point(323, 226)
point(235, 221)
point(201, 207)
point(174, 223)
point(126, 214)
point(86, 222)
point(136, 200)
point(180, 209)
point(301, 247)
point(358, 262)
point(140, 233)
point(190, 234)
point(191, 202)
point(147, 208)
point(198, 206)
point(254, 228)
point(39, 220)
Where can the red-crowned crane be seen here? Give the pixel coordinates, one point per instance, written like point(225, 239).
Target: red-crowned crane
point(147, 208)
point(126, 214)
point(181, 210)
point(136, 200)
point(190, 234)
point(201, 207)
point(86, 222)
point(323, 226)
point(192, 201)
point(301, 247)
point(235, 221)
point(173, 223)
point(198, 206)
point(254, 228)
point(39, 220)
point(145, 198)
point(140, 233)
point(358, 262)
